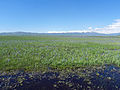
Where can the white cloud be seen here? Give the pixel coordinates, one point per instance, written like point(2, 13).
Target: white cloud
point(90, 28)
point(73, 31)
point(112, 28)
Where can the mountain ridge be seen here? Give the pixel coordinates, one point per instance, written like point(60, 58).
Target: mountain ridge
point(66, 33)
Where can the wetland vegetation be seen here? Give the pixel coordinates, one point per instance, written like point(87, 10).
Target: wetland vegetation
point(63, 62)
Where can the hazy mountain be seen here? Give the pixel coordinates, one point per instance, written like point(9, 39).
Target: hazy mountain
point(73, 34)
point(18, 33)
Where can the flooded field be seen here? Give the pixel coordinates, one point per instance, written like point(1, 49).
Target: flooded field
point(59, 62)
point(105, 77)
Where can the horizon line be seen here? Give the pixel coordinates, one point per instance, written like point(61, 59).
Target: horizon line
point(57, 32)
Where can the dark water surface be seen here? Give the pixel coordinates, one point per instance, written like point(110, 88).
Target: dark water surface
point(107, 78)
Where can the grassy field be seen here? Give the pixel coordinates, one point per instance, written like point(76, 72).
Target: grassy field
point(35, 53)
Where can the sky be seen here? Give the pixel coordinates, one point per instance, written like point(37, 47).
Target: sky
point(42, 16)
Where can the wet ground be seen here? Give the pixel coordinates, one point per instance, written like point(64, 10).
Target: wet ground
point(101, 78)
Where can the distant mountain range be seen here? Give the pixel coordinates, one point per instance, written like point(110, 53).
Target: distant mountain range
point(73, 34)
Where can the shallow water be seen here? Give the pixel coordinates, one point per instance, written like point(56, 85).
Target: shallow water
point(107, 78)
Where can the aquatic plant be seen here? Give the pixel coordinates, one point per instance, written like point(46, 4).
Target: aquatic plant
point(40, 52)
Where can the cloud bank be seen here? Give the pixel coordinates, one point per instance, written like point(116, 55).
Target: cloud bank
point(73, 31)
point(113, 28)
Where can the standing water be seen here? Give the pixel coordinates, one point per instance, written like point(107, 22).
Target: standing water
point(106, 78)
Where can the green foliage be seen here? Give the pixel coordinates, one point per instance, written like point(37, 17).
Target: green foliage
point(57, 52)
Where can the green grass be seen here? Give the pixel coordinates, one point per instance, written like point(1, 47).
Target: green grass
point(35, 53)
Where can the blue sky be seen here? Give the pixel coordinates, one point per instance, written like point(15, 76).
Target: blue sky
point(60, 15)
